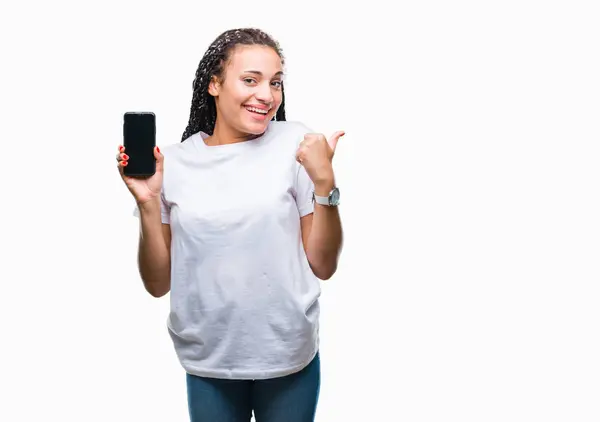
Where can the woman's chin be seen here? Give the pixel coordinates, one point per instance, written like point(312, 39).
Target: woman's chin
point(257, 127)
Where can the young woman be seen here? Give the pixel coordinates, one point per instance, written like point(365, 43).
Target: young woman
point(239, 223)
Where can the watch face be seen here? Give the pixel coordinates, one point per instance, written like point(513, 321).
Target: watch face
point(334, 199)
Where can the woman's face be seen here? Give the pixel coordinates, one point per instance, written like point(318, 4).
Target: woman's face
point(250, 94)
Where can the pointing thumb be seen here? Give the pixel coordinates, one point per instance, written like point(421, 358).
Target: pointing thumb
point(335, 138)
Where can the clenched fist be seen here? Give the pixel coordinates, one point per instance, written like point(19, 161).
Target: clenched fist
point(316, 153)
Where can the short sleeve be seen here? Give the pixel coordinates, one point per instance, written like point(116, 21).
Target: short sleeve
point(304, 192)
point(165, 211)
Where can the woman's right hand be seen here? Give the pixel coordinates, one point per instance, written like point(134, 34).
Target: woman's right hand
point(146, 189)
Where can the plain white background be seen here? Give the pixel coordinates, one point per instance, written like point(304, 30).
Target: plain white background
point(468, 288)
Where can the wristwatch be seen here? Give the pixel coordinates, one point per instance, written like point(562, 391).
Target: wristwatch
point(331, 200)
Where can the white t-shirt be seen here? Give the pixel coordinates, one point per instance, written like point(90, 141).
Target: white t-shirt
point(244, 301)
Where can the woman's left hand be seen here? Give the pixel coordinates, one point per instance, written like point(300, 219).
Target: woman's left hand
point(316, 153)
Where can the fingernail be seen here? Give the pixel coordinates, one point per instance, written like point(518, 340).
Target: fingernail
point(121, 148)
point(158, 149)
point(124, 163)
point(125, 157)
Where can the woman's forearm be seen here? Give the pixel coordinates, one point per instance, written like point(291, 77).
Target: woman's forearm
point(326, 236)
point(154, 260)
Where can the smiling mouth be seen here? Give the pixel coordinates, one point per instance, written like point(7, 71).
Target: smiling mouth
point(257, 110)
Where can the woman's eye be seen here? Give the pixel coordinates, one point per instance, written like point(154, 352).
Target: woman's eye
point(277, 84)
point(249, 80)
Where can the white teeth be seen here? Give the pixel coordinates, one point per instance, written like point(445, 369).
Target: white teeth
point(256, 110)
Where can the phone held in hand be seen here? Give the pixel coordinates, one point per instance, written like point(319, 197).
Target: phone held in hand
point(139, 140)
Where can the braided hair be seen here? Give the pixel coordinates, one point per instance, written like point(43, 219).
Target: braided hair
point(203, 111)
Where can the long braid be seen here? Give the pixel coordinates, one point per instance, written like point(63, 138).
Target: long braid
point(203, 111)
point(280, 115)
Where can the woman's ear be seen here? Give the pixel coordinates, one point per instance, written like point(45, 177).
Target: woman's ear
point(213, 86)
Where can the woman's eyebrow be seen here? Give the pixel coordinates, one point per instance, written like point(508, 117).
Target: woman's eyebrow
point(259, 73)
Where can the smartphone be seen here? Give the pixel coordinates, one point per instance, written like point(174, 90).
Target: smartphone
point(139, 140)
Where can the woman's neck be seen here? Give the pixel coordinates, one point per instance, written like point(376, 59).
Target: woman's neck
point(223, 135)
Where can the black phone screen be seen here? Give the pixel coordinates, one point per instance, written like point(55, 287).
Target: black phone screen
point(139, 140)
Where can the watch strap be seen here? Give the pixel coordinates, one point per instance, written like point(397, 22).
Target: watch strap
point(322, 200)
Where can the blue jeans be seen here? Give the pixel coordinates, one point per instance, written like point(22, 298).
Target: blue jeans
point(292, 398)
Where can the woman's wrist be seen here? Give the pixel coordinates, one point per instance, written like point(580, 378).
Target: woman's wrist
point(151, 205)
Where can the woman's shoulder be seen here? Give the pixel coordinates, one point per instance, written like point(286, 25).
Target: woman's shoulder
point(175, 149)
point(293, 130)
point(289, 125)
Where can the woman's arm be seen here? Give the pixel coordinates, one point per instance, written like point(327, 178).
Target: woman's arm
point(322, 235)
point(154, 257)
point(321, 231)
